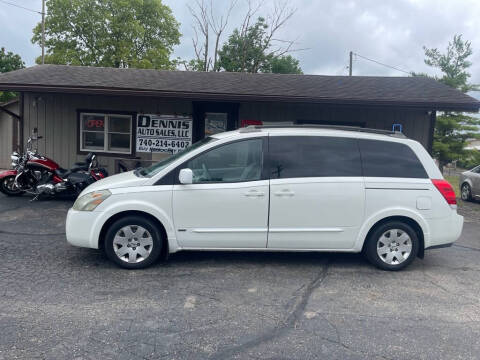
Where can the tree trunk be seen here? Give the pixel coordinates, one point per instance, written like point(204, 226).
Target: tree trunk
point(205, 59)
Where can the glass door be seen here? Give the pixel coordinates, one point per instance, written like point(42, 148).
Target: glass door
point(211, 118)
point(215, 122)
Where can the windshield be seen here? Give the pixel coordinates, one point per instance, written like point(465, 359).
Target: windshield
point(157, 167)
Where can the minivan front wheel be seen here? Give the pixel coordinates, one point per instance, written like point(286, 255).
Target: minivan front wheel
point(133, 242)
point(392, 246)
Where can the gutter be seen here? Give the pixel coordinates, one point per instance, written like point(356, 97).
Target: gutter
point(468, 107)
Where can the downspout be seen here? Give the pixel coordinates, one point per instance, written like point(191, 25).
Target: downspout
point(20, 121)
point(433, 120)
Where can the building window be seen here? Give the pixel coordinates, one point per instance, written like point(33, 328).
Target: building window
point(110, 133)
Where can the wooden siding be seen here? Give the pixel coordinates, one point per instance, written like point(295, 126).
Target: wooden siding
point(7, 131)
point(415, 123)
point(55, 116)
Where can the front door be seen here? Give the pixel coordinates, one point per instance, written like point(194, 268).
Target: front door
point(317, 192)
point(227, 204)
point(213, 117)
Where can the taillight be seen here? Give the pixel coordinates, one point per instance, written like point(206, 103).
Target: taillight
point(446, 190)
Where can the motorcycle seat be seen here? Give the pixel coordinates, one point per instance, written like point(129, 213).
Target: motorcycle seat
point(76, 177)
point(63, 173)
point(79, 166)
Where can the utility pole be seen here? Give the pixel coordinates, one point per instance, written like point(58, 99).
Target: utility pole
point(43, 32)
point(350, 66)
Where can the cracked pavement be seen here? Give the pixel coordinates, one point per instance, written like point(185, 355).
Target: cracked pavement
point(62, 302)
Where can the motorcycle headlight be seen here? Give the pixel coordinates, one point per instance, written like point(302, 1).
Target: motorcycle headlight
point(90, 201)
point(14, 157)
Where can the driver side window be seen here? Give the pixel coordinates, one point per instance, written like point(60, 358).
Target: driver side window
point(235, 162)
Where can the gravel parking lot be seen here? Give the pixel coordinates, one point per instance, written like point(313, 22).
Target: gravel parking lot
point(61, 302)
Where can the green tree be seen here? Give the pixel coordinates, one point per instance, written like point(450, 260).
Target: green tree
point(246, 51)
point(453, 64)
point(251, 50)
point(9, 62)
point(110, 33)
point(285, 65)
point(453, 128)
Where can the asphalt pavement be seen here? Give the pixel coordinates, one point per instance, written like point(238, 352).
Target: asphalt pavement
point(62, 302)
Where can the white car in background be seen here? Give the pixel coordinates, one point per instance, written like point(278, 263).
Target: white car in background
point(275, 189)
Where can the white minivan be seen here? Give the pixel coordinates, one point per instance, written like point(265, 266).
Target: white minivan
point(275, 189)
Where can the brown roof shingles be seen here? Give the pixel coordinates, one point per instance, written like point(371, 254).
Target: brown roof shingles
point(371, 90)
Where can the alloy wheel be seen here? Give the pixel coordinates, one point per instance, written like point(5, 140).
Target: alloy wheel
point(465, 192)
point(9, 183)
point(9, 187)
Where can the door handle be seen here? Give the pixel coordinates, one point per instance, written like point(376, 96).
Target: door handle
point(284, 192)
point(254, 193)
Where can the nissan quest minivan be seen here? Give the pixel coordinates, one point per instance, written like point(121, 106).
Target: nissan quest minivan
point(275, 189)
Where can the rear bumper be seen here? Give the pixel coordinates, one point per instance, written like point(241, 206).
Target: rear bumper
point(445, 231)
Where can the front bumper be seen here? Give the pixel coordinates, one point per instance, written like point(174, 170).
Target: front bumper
point(83, 228)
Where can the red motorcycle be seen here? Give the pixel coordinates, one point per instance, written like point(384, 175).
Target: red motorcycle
point(37, 175)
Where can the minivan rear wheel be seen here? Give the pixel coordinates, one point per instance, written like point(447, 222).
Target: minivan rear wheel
point(392, 246)
point(133, 242)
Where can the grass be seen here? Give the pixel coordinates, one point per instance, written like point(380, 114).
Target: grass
point(454, 180)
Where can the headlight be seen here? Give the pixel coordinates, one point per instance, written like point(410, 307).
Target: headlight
point(90, 201)
point(14, 158)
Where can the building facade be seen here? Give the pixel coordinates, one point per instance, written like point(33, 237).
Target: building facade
point(132, 117)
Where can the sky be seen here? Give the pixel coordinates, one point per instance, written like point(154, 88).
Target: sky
point(389, 31)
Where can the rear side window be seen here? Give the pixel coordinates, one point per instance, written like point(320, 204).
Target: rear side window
point(390, 159)
point(313, 156)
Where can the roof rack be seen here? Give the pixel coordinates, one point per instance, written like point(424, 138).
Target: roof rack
point(253, 128)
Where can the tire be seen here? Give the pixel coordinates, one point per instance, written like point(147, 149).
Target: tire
point(7, 187)
point(466, 192)
point(140, 250)
point(392, 246)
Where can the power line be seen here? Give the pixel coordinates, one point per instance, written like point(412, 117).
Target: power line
point(36, 12)
point(380, 63)
point(21, 7)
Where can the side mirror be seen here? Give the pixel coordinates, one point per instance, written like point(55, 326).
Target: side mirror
point(186, 176)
